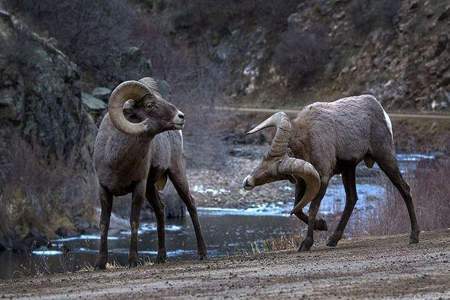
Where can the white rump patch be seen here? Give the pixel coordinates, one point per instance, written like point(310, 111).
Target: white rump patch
point(388, 122)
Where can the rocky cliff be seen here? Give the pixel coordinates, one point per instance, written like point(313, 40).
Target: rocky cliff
point(396, 50)
point(40, 94)
point(46, 139)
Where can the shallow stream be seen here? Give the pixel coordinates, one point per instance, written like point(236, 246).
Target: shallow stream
point(227, 231)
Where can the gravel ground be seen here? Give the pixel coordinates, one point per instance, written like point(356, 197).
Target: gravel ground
point(366, 268)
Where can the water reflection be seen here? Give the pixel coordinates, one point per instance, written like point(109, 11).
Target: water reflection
point(227, 231)
point(225, 234)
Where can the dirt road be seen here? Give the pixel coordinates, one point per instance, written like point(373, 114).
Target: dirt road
point(382, 267)
point(393, 115)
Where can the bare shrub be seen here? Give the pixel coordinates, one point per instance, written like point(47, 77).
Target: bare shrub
point(273, 13)
point(431, 196)
point(367, 15)
point(301, 54)
point(284, 242)
point(196, 85)
point(170, 61)
point(196, 92)
point(39, 198)
point(201, 15)
point(93, 33)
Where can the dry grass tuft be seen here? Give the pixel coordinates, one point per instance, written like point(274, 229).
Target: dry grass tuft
point(431, 196)
point(285, 242)
point(39, 198)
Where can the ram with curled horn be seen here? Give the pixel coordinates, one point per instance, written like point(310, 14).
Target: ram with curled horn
point(326, 139)
point(138, 146)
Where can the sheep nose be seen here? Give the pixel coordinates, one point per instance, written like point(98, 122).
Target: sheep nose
point(181, 115)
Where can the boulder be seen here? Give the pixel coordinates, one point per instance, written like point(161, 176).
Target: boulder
point(92, 103)
point(101, 93)
point(173, 205)
point(164, 88)
point(117, 223)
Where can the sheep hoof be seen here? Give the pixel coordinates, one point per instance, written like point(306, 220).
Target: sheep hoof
point(321, 225)
point(334, 239)
point(161, 258)
point(100, 264)
point(202, 256)
point(132, 263)
point(305, 245)
point(99, 267)
point(414, 238)
point(332, 242)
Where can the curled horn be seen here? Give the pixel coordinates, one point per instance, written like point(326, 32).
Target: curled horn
point(127, 90)
point(281, 139)
point(299, 168)
point(291, 167)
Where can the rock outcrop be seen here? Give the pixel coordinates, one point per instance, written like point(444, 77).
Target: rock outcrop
point(46, 140)
point(398, 50)
point(101, 93)
point(402, 60)
point(41, 96)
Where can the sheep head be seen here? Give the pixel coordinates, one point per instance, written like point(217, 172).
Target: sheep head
point(154, 113)
point(277, 165)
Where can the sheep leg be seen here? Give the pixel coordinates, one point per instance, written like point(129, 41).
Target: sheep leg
point(181, 185)
point(136, 204)
point(390, 168)
point(349, 181)
point(158, 207)
point(320, 224)
point(313, 209)
point(106, 205)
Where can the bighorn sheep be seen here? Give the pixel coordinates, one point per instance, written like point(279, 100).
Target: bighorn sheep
point(327, 139)
point(136, 156)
